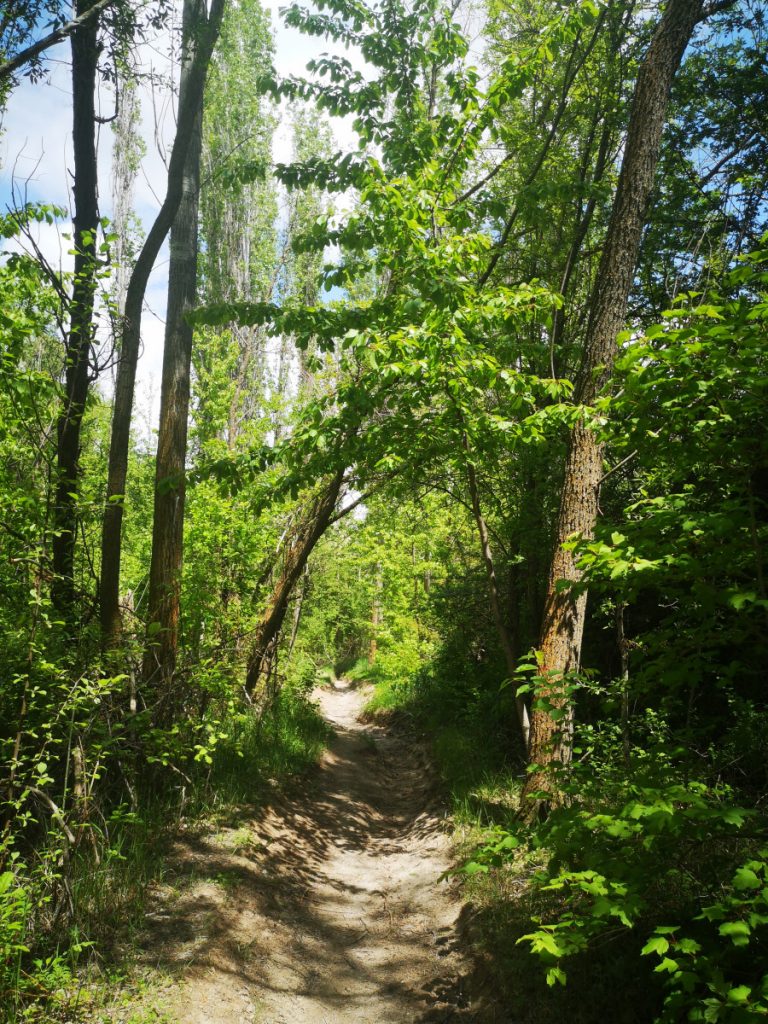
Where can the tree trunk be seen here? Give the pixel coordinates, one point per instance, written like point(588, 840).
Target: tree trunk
point(298, 548)
point(375, 616)
point(623, 645)
point(85, 55)
point(297, 609)
point(502, 630)
point(168, 522)
point(198, 39)
point(565, 606)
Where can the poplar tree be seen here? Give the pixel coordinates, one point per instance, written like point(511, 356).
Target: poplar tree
point(238, 207)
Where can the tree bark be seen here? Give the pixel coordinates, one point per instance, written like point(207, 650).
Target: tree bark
point(85, 54)
point(198, 39)
point(127, 150)
point(565, 606)
point(168, 523)
point(298, 548)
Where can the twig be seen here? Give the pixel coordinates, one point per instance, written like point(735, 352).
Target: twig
point(618, 466)
point(56, 812)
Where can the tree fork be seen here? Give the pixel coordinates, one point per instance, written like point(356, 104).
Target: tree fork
point(170, 488)
point(198, 47)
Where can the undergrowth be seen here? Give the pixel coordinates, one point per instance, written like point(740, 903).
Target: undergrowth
point(587, 891)
point(100, 889)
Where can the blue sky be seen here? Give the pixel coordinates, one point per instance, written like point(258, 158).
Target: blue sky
point(35, 156)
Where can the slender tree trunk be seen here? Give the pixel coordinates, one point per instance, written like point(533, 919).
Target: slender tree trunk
point(375, 616)
point(298, 548)
point(85, 54)
point(298, 607)
point(577, 243)
point(502, 629)
point(565, 606)
point(168, 524)
point(198, 39)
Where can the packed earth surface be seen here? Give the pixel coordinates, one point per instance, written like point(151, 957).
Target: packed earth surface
point(327, 905)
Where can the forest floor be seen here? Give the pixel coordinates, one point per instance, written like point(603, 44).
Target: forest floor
point(324, 907)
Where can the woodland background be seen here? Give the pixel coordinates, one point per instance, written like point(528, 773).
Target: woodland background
point(421, 398)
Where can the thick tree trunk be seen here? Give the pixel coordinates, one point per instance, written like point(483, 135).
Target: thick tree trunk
point(168, 523)
point(298, 548)
point(198, 39)
point(85, 57)
point(565, 606)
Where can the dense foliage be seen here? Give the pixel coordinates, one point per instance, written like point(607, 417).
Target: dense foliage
point(387, 377)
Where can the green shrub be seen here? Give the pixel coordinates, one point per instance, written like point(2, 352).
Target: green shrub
point(677, 865)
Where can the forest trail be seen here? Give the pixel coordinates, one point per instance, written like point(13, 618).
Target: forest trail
point(326, 907)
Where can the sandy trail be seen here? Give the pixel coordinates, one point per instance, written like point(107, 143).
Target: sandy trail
point(325, 908)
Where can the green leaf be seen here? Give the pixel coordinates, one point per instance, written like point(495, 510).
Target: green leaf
point(656, 944)
point(739, 994)
point(745, 878)
point(667, 966)
point(473, 868)
point(738, 932)
point(555, 975)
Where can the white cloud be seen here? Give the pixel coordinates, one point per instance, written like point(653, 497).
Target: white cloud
point(48, 240)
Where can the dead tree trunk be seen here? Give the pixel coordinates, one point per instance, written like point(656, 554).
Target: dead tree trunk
point(85, 55)
point(199, 35)
point(297, 549)
point(565, 606)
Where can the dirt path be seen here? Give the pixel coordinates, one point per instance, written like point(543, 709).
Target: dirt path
point(326, 908)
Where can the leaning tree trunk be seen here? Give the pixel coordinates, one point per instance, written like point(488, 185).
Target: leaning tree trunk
point(85, 57)
point(298, 548)
point(170, 489)
point(565, 607)
point(199, 36)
